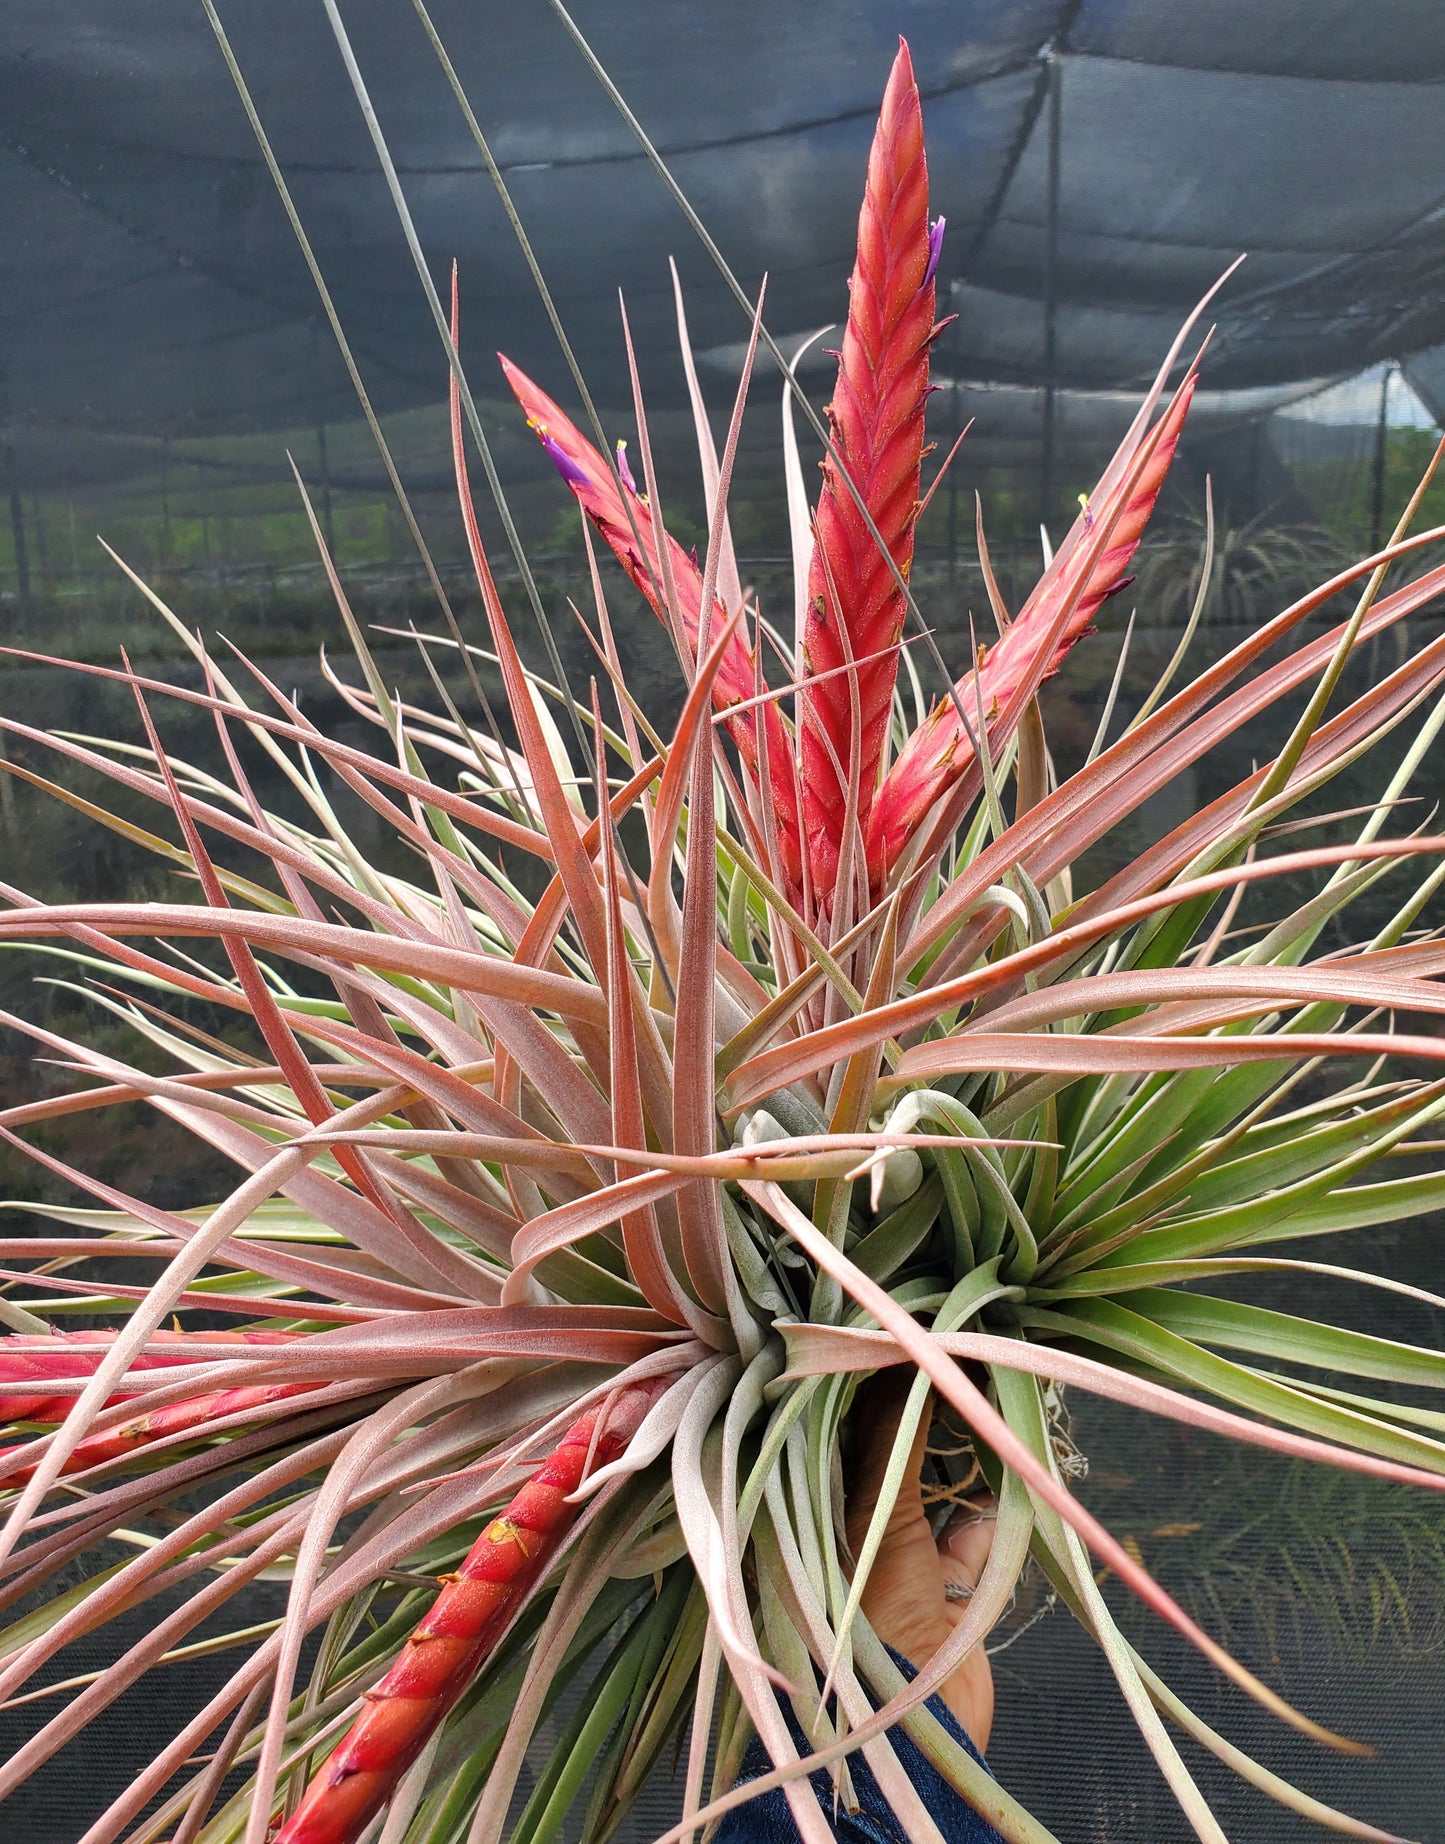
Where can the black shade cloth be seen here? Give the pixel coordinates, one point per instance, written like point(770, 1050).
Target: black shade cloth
point(154, 287)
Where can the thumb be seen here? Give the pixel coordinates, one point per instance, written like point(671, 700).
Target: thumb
point(964, 1545)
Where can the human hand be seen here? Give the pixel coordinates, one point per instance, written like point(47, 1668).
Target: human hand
point(907, 1599)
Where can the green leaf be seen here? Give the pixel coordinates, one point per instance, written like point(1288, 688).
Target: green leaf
point(1303, 1211)
point(1145, 1342)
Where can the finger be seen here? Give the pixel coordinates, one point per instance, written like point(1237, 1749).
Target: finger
point(879, 1412)
point(964, 1545)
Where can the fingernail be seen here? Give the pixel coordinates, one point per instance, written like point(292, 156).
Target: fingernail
point(958, 1532)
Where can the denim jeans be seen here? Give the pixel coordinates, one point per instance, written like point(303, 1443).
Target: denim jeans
point(767, 1820)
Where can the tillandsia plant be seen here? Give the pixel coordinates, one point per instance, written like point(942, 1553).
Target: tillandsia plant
point(686, 1082)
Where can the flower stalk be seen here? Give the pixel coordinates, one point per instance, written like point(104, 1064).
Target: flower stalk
point(443, 1654)
point(856, 608)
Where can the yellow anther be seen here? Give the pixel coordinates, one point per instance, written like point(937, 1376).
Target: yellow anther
point(503, 1530)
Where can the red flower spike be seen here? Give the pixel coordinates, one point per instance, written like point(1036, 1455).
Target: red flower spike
point(450, 1645)
point(938, 752)
point(57, 1356)
point(590, 478)
point(876, 420)
point(78, 1354)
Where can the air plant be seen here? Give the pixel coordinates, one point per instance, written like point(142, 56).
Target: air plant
point(1305, 1562)
point(685, 1082)
point(1257, 565)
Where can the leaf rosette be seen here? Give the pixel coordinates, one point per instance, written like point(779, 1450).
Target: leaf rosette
point(685, 1082)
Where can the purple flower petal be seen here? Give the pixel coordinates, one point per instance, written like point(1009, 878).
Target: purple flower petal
point(935, 248)
point(574, 475)
point(624, 468)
